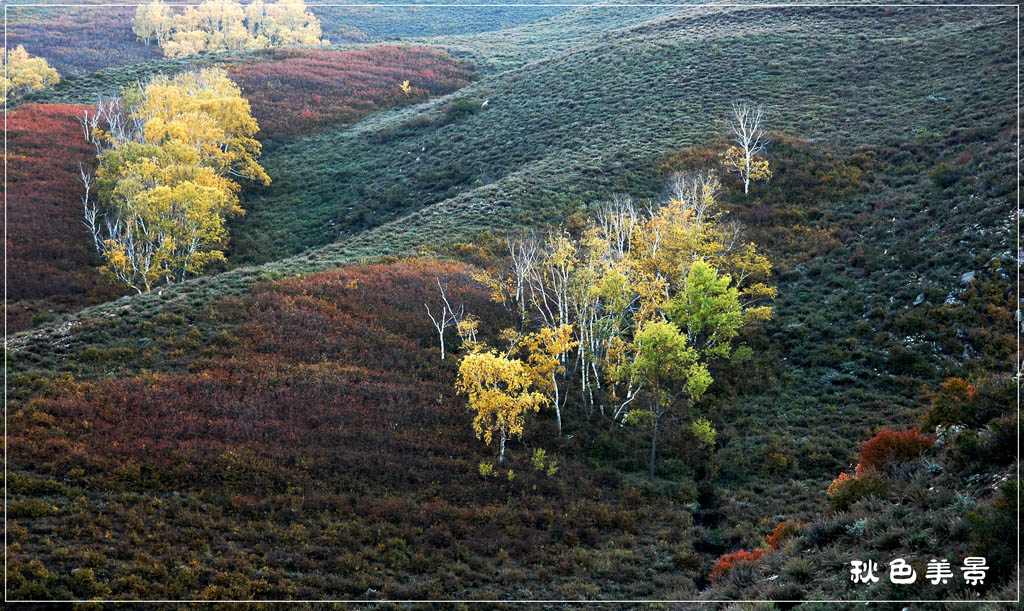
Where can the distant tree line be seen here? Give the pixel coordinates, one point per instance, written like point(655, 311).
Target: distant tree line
point(226, 25)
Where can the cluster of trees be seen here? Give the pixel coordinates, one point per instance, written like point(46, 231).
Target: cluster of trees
point(25, 73)
point(297, 91)
point(626, 313)
point(217, 25)
point(168, 153)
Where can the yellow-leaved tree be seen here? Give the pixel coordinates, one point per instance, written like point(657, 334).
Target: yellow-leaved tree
point(546, 349)
point(500, 391)
point(168, 151)
point(225, 25)
point(25, 73)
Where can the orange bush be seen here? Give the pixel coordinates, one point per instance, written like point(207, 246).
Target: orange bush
point(783, 530)
point(728, 562)
point(954, 403)
point(888, 447)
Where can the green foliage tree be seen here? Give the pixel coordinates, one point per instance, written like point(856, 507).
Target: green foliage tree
point(652, 295)
point(670, 368)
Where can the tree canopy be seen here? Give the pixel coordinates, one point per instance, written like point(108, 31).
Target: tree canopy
point(167, 154)
point(214, 26)
point(25, 73)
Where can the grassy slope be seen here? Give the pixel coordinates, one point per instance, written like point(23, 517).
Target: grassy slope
point(905, 98)
point(632, 97)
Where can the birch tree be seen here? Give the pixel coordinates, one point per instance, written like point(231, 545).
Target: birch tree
point(500, 393)
point(747, 131)
point(167, 154)
point(449, 317)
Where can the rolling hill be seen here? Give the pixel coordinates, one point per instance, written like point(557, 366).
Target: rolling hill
point(891, 221)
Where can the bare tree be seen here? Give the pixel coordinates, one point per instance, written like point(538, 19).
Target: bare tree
point(524, 253)
point(747, 131)
point(447, 317)
point(616, 221)
point(697, 191)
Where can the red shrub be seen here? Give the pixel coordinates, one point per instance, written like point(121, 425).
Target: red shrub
point(728, 562)
point(888, 447)
point(335, 372)
point(299, 91)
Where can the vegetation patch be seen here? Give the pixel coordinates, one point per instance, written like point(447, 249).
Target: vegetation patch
point(297, 92)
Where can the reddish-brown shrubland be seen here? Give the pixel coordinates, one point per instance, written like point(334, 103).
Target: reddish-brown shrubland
point(321, 433)
point(49, 250)
point(890, 447)
point(295, 92)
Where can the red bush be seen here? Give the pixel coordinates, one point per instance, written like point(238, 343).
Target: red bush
point(889, 447)
point(299, 91)
point(728, 562)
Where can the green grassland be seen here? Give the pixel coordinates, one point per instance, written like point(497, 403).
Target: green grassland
point(895, 176)
point(582, 124)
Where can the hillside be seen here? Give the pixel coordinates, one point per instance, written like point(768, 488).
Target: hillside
point(79, 40)
point(518, 148)
point(295, 400)
point(51, 260)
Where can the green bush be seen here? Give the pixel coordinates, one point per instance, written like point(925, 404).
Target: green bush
point(461, 109)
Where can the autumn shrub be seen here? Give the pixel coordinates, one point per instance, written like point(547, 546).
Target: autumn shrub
point(889, 447)
point(958, 401)
point(782, 532)
point(847, 489)
point(727, 562)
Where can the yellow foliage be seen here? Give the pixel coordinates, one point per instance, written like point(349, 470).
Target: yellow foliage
point(545, 349)
point(499, 391)
point(750, 169)
point(25, 73)
point(224, 25)
point(165, 187)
